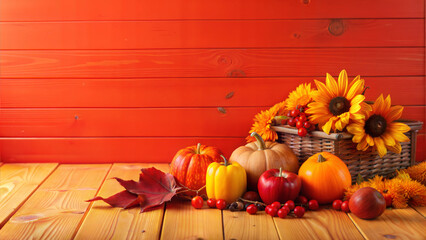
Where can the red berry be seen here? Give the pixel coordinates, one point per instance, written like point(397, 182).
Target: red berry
point(345, 207)
point(288, 114)
point(291, 122)
point(299, 211)
point(273, 212)
point(282, 213)
point(299, 124)
point(276, 205)
point(302, 199)
point(286, 209)
point(388, 199)
point(337, 204)
point(251, 209)
point(197, 202)
point(302, 132)
point(313, 205)
point(284, 122)
point(307, 125)
point(220, 204)
point(295, 113)
point(290, 204)
point(211, 203)
point(302, 117)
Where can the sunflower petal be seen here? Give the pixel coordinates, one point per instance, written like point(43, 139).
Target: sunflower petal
point(380, 146)
point(327, 126)
point(322, 89)
point(339, 125)
point(355, 108)
point(400, 127)
point(388, 139)
point(358, 116)
point(387, 105)
point(395, 148)
point(378, 105)
point(355, 89)
point(358, 138)
point(394, 113)
point(400, 137)
point(332, 85)
point(358, 99)
point(362, 145)
point(369, 140)
point(355, 128)
point(343, 83)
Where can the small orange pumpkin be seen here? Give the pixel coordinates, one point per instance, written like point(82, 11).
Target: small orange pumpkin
point(260, 156)
point(324, 177)
point(189, 166)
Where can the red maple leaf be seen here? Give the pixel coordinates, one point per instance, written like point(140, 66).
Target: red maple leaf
point(153, 188)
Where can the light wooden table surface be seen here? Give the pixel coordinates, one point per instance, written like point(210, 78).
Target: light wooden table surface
point(47, 201)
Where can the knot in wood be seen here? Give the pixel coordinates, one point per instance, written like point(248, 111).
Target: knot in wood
point(336, 27)
point(224, 60)
point(236, 73)
point(306, 2)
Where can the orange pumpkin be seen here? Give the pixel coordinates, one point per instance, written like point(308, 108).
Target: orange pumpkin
point(260, 156)
point(189, 166)
point(324, 177)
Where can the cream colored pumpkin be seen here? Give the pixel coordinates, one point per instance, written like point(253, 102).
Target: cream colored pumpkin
point(259, 156)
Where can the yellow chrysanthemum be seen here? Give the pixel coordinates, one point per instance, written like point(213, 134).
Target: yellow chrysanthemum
point(378, 129)
point(336, 103)
point(417, 172)
point(279, 109)
point(299, 97)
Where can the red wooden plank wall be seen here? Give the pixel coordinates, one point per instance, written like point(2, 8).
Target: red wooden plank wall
point(136, 80)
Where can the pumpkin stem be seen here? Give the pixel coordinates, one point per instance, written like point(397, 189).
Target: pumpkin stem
point(321, 158)
point(198, 149)
point(224, 160)
point(259, 139)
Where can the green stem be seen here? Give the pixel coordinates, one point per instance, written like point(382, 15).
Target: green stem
point(198, 148)
point(224, 160)
point(259, 139)
point(321, 158)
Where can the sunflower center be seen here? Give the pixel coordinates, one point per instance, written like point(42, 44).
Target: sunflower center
point(375, 126)
point(339, 105)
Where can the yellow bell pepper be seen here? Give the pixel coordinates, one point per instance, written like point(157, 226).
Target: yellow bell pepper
point(227, 181)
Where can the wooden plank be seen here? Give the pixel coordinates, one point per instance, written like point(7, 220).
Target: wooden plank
point(105, 222)
point(421, 210)
point(106, 150)
point(322, 224)
point(210, 62)
point(393, 224)
point(148, 122)
point(213, 34)
point(17, 183)
point(241, 225)
point(55, 210)
point(420, 149)
point(183, 92)
point(180, 9)
point(172, 122)
point(182, 221)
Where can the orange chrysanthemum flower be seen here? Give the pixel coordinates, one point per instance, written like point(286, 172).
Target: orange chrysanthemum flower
point(336, 103)
point(417, 172)
point(263, 120)
point(299, 97)
point(378, 129)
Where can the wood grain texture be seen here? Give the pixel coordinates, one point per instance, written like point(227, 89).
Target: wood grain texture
point(55, 210)
point(210, 62)
point(183, 92)
point(212, 34)
point(17, 183)
point(49, 10)
point(182, 221)
point(151, 122)
point(421, 210)
point(322, 224)
point(393, 224)
point(106, 150)
point(106, 222)
point(240, 225)
point(146, 122)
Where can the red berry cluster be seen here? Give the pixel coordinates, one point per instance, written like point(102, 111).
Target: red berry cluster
point(339, 205)
point(298, 118)
point(198, 202)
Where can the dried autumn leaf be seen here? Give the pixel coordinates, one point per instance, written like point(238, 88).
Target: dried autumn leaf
point(154, 187)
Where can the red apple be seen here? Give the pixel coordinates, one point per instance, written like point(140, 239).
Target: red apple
point(278, 185)
point(367, 203)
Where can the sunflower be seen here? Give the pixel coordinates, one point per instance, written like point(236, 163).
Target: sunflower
point(299, 97)
point(378, 129)
point(335, 103)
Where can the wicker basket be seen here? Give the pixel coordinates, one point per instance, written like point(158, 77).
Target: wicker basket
point(367, 164)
